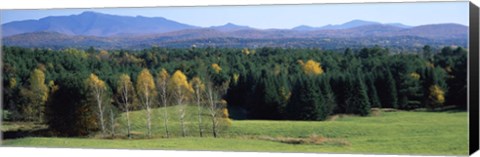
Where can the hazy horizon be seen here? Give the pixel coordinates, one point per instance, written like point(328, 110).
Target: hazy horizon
point(279, 16)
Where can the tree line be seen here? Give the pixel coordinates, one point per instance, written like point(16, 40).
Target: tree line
point(77, 91)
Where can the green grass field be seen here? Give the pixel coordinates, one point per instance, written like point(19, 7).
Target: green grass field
point(420, 133)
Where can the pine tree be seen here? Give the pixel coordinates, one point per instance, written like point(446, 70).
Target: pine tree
point(410, 91)
point(372, 91)
point(328, 97)
point(362, 106)
point(386, 84)
point(305, 103)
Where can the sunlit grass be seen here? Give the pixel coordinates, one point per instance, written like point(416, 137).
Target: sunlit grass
point(435, 133)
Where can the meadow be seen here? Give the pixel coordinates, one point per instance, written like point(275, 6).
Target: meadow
point(397, 132)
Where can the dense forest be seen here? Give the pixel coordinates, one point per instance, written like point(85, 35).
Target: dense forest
point(71, 89)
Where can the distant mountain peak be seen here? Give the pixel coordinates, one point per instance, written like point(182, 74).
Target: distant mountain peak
point(358, 21)
point(229, 24)
point(92, 13)
point(350, 24)
point(90, 23)
point(304, 28)
point(89, 12)
point(230, 27)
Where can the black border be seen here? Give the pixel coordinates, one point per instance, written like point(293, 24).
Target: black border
point(473, 79)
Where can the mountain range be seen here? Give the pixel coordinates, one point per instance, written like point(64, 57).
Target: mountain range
point(113, 32)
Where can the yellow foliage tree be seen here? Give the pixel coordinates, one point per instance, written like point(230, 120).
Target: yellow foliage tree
point(198, 88)
point(217, 68)
point(98, 88)
point(225, 115)
point(179, 82)
point(103, 55)
point(145, 87)
point(52, 86)
point(245, 51)
point(312, 67)
point(76, 52)
point(235, 78)
point(415, 75)
point(12, 83)
point(126, 95)
point(37, 85)
point(37, 94)
point(197, 84)
point(162, 83)
point(436, 96)
point(181, 90)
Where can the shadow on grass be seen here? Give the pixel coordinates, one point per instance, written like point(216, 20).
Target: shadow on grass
point(26, 133)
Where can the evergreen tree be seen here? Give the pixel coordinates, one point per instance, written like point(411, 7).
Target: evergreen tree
point(328, 97)
point(306, 103)
point(361, 104)
point(386, 84)
point(410, 91)
point(372, 91)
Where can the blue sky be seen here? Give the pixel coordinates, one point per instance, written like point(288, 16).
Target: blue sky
point(281, 16)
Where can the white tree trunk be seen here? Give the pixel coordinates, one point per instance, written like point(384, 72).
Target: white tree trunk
point(112, 123)
point(127, 106)
point(147, 105)
point(197, 92)
point(212, 108)
point(164, 100)
point(180, 97)
point(98, 95)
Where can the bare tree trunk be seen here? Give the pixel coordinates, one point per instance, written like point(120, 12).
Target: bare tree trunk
point(149, 123)
point(100, 109)
point(214, 126)
point(40, 109)
point(112, 123)
point(128, 125)
point(165, 117)
point(165, 114)
point(199, 112)
point(127, 106)
point(180, 97)
point(182, 121)
point(147, 105)
point(211, 97)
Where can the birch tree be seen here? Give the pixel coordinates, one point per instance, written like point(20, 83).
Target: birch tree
point(145, 87)
point(98, 88)
point(126, 97)
point(212, 97)
point(162, 83)
point(181, 90)
point(198, 89)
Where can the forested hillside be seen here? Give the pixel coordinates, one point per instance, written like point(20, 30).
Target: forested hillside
point(70, 89)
